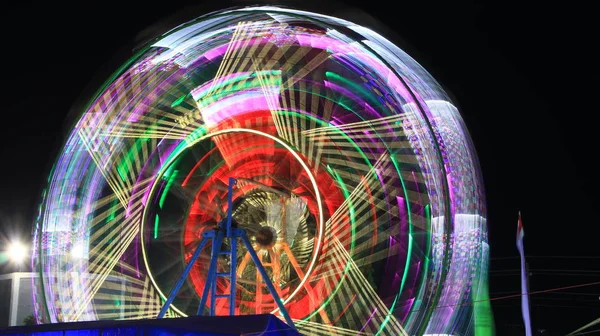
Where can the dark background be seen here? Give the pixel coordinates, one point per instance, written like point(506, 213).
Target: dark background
point(524, 78)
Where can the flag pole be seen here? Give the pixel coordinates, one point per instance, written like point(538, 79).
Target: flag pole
point(525, 306)
point(528, 288)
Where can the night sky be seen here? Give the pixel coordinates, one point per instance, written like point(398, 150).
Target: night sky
point(521, 76)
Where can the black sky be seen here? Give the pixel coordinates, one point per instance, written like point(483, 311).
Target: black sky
point(523, 77)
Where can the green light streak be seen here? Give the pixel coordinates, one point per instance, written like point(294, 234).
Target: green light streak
point(484, 320)
point(121, 173)
point(410, 241)
point(195, 135)
point(410, 223)
point(243, 83)
point(129, 159)
point(171, 177)
point(156, 227)
point(416, 306)
point(355, 87)
point(350, 207)
point(112, 215)
point(179, 100)
point(387, 317)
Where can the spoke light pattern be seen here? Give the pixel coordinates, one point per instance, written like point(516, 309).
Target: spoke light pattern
point(358, 183)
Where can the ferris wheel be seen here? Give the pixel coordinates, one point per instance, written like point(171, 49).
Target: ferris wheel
point(358, 185)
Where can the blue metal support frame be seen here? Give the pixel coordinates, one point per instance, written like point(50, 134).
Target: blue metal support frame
point(184, 275)
point(233, 270)
point(265, 276)
point(233, 246)
point(218, 235)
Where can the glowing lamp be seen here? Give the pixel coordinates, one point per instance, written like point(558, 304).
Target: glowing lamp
point(17, 252)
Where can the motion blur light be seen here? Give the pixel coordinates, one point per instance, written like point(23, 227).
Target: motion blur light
point(17, 252)
point(344, 145)
point(77, 252)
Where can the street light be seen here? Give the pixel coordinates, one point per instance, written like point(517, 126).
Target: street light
point(17, 253)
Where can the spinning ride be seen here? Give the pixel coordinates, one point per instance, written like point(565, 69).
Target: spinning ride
point(358, 185)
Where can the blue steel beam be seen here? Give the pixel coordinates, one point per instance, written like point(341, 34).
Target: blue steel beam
point(182, 278)
point(263, 273)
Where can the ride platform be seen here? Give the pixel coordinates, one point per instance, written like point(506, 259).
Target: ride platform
point(240, 325)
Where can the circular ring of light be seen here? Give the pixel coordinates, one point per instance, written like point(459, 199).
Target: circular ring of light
point(306, 169)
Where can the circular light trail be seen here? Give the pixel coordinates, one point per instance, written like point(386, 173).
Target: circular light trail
point(318, 239)
point(358, 184)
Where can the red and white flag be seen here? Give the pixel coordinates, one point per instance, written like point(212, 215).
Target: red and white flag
point(524, 282)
